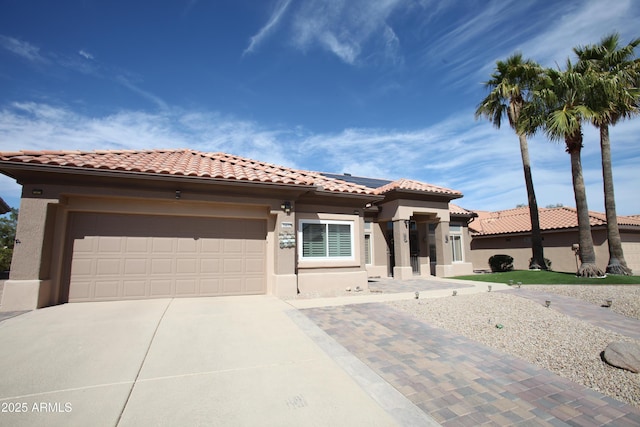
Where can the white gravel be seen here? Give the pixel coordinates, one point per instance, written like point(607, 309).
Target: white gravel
point(567, 346)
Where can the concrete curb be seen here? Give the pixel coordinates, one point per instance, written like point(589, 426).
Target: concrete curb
point(383, 393)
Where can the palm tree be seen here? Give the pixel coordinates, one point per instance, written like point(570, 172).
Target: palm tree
point(558, 108)
point(615, 98)
point(510, 85)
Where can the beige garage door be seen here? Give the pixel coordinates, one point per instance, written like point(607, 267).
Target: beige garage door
point(116, 257)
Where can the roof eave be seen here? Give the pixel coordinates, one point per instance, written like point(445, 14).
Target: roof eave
point(119, 173)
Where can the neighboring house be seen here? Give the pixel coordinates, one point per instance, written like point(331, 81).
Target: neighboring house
point(509, 232)
point(113, 225)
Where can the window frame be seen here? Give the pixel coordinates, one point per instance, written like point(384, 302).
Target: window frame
point(326, 223)
point(455, 231)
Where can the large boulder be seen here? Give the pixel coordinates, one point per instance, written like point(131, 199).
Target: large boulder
point(625, 355)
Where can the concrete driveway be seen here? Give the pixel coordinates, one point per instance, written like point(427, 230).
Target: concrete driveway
point(203, 361)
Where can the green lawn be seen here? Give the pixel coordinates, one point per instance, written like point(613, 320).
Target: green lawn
point(528, 277)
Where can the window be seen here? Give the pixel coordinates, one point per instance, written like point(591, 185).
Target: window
point(326, 239)
point(455, 232)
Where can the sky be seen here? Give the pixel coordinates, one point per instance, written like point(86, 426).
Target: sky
point(376, 88)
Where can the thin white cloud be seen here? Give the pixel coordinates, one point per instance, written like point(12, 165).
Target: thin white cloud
point(85, 54)
point(459, 153)
point(22, 48)
point(269, 27)
point(344, 27)
point(126, 82)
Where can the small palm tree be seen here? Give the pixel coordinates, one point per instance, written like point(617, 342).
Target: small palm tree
point(615, 97)
point(510, 86)
point(558, 108)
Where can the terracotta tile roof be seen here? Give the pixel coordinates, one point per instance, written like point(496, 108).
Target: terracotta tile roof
point(184, 162)
point(457, 210)
point(518, 220)
point(417, 186)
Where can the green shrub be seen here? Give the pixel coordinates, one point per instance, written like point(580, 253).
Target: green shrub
point(500, 263)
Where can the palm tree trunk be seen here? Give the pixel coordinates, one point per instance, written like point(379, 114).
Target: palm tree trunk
point(537, 259)
point(617, 263)
point(588, 267)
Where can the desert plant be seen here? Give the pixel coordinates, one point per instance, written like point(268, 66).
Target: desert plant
point(500, 263)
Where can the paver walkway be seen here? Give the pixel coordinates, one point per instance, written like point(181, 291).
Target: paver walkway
point(592, 313)
point(459, 382)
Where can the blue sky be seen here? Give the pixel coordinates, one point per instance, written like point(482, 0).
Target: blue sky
point(378, 88)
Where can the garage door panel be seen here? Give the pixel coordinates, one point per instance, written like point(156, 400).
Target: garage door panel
point(187, 246)
point(110, 245)
point(137, 245)
point(81, 291)
point(135, 266)
point(162, 244)
point(82, 267)
point(210, 246)
point(134, 288)
point(139, 256)
point(189, 265)
point(186, 287)
point(108, 289)
point(161, 288)
point(254, 266)
point(253, 285)
point(210, 266)
point(232, 286)
point(210, 286)
point(85, 245)
point(232, 266)
point(254, 247)
point(161, 266)
point(108, 266)
point(233, 246)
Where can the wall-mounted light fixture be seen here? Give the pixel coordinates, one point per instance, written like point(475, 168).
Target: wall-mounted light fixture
point(446, 239)
point(37, 191)
point(286, 207)
point(406, 223)
point(178, 194)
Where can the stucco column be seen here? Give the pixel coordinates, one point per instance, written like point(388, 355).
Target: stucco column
point(285, 282)
point(29, 284)
point(423, 235)
point(402, 270)
point(443, 250)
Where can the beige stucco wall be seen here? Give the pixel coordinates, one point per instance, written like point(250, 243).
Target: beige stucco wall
point(40, 267)
point(631, 248)
point(380, 249)
point(557, 248)
point(328, 277)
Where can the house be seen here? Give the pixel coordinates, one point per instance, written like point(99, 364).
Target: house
point(113, 225)
point(509, 232)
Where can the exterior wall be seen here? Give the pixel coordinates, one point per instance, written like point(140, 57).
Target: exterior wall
point(42, 260)
point(557, 248)
point(40, 267)
point(380, 251)
point(631, 248)
point(327, 277)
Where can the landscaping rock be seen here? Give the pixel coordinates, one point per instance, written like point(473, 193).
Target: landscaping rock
point(625, 355)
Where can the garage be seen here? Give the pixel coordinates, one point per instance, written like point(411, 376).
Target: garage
point(122, 256)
